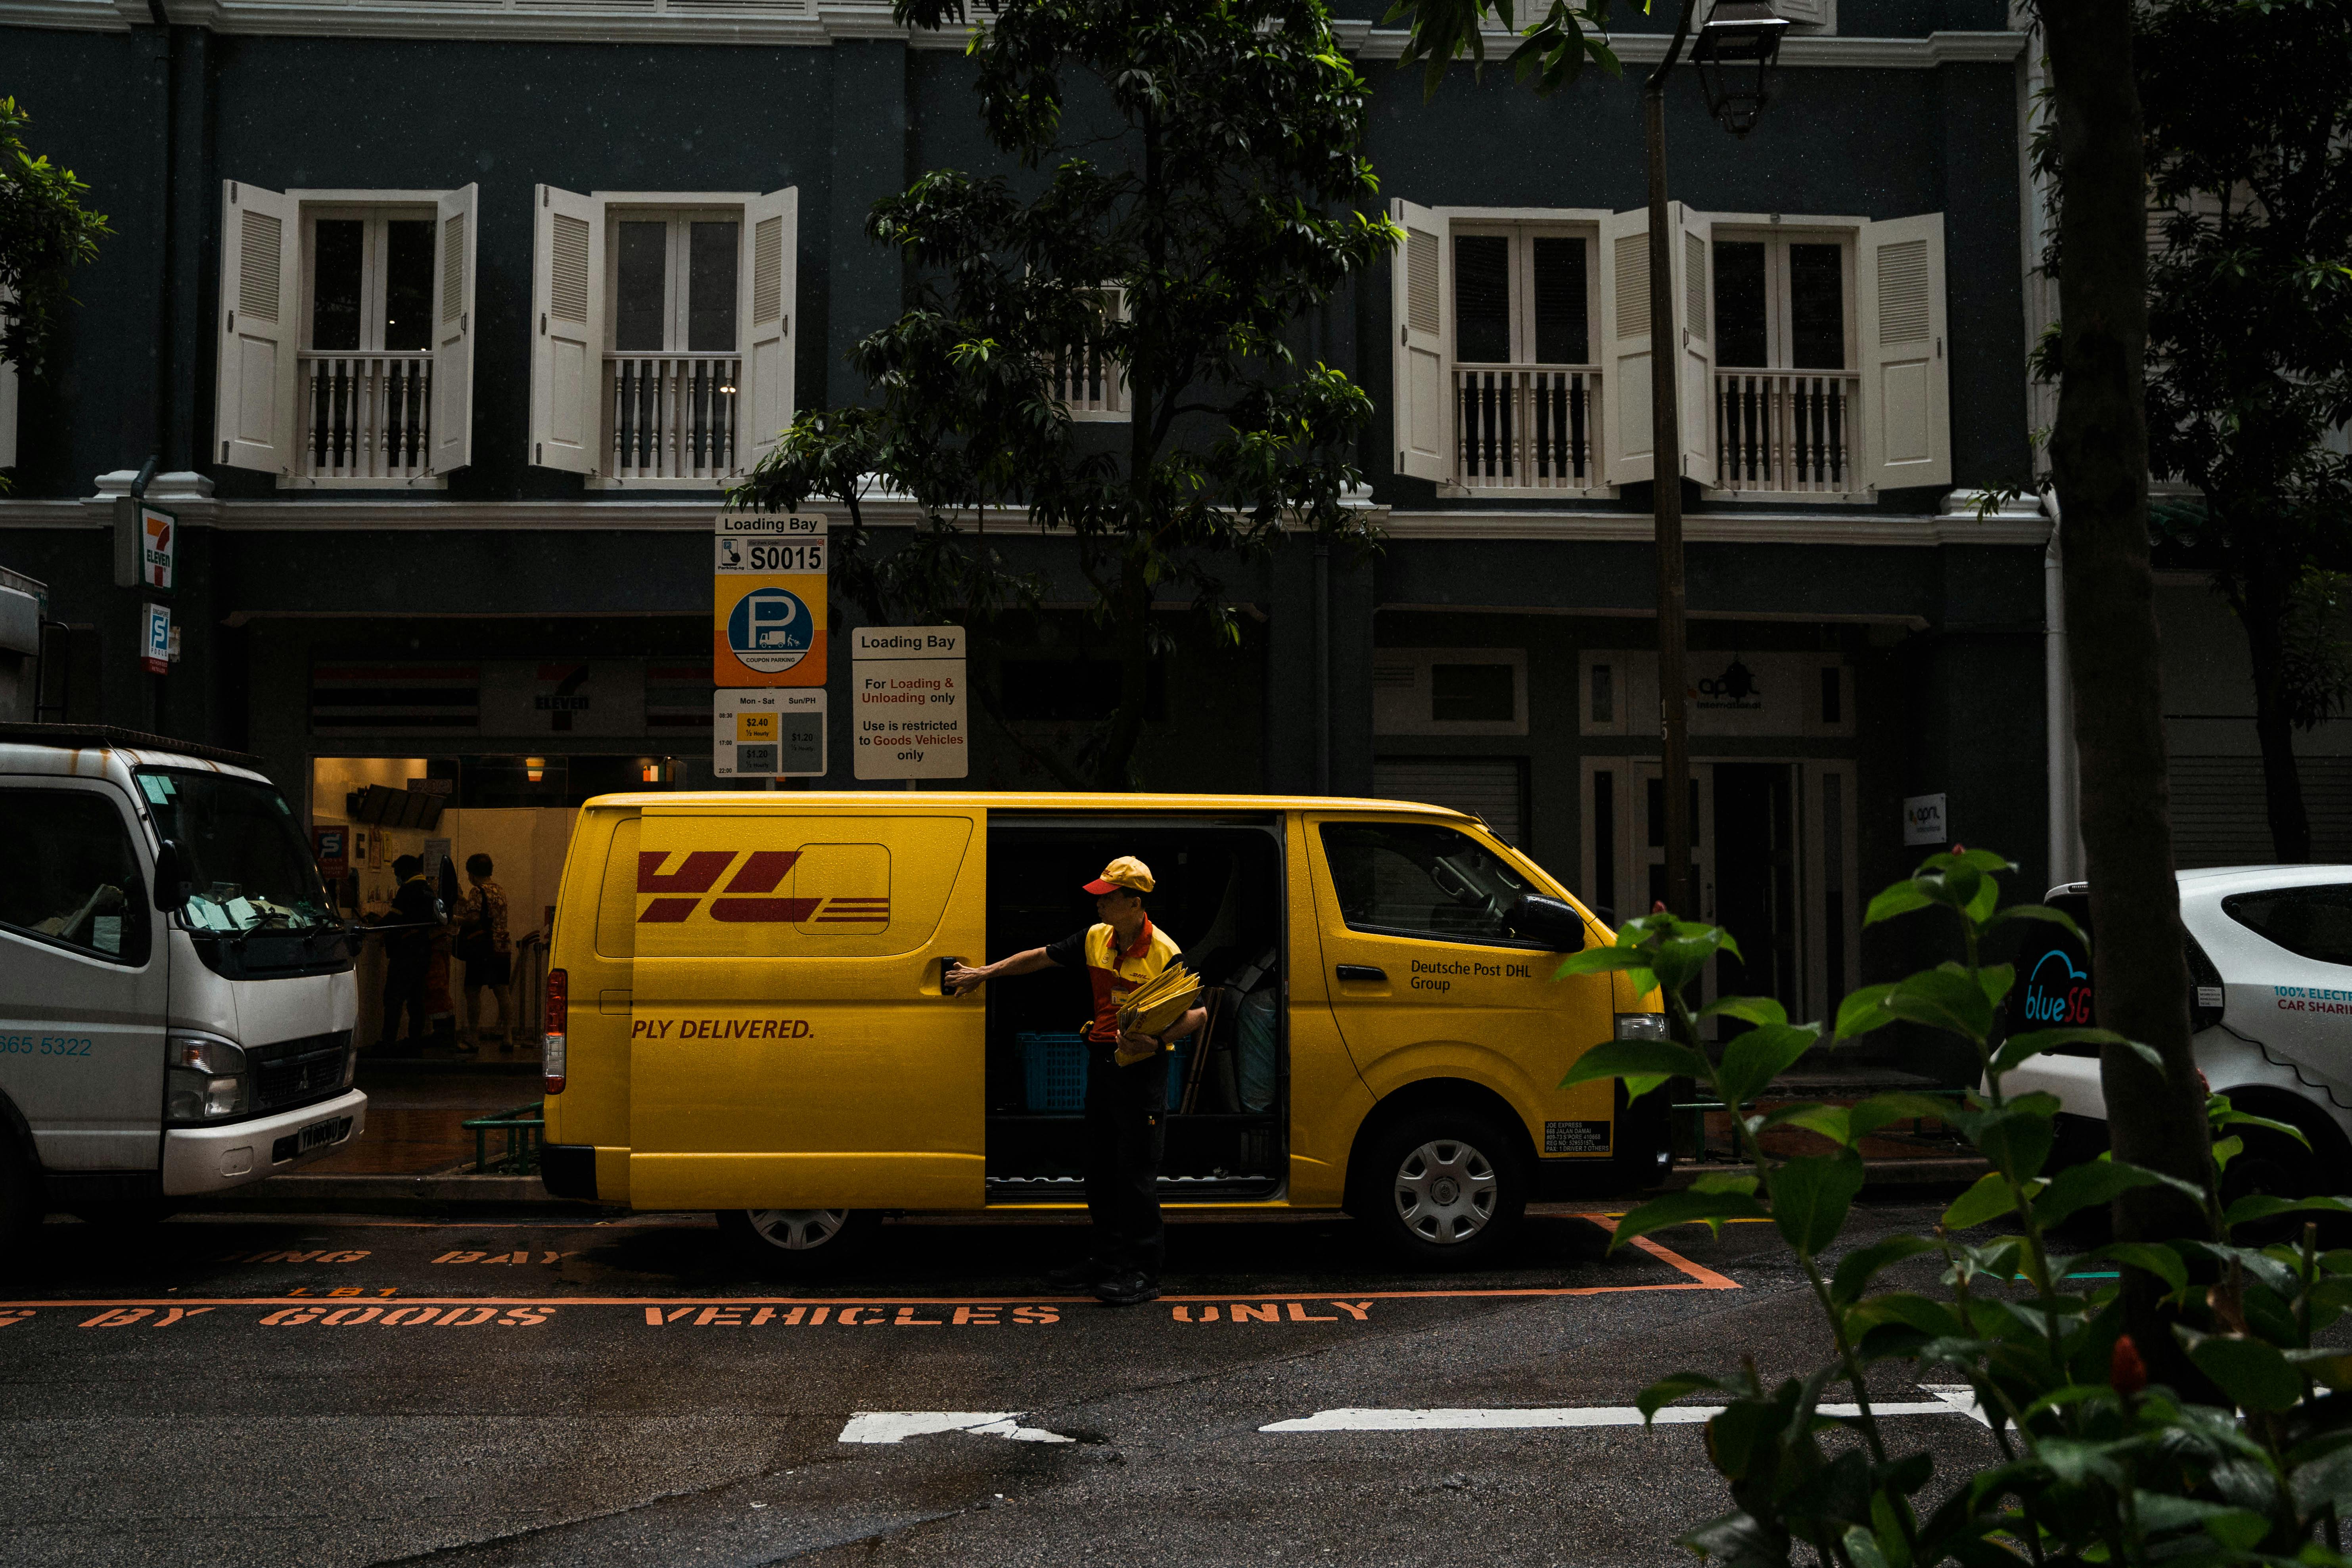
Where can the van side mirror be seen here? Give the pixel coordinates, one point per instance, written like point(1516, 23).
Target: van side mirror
point(1554, 923)
point(171, 878)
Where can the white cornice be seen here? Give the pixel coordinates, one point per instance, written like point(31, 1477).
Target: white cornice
point(1957, 525)
point(821, 22)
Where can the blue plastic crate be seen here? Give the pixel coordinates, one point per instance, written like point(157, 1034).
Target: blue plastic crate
point(1056, 1066)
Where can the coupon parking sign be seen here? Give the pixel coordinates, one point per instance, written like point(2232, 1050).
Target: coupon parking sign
point(768, 603)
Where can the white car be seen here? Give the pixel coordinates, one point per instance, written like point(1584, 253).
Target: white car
point(2270, 960)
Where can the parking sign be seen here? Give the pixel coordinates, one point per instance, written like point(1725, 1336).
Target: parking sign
point(768, 604)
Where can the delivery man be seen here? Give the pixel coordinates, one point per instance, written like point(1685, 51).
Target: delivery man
point(1127, 1106)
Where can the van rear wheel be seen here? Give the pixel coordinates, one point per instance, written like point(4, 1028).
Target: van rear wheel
point(787, 1242)
point(1449, 1189)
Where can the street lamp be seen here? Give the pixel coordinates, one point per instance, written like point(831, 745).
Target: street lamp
point(1734, 55)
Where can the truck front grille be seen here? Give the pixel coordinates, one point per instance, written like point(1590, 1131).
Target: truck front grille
point(295, 1072)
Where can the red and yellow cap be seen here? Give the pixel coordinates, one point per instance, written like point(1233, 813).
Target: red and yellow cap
point(1127, 873)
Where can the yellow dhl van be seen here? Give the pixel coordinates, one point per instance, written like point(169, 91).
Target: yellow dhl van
point(745, 1013)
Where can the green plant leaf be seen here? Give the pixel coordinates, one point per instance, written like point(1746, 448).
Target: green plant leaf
point(2079, 1186)
point(1900, 898)
point(1753, 1009)
point(1987, 1199)
point(2227, 1150)
point(1741, 1182)
point(1601, 961)
point(2018, 1049)
point(2263, 1206)
point(2238, 1529)
point(2016, 1137)
point(2227, 1117)
point(1994, 980)
point(1861, 1549)
point(1810, 1196)
point(1832, 1121)
point(1639, 1084)
point(1857, 1269)
point(1666, 1390)
point(1881, 1109)
point(1943, 998)
point(1863, 1011)
point(2152, 1258)
point(1925, 1313)
point(1687, 1208)
point(2254, 1374)
point(1626, 1059)
point(2036, 912)
point(1760, 1055)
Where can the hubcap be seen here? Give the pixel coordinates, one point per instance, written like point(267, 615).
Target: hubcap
point(1445, 1191)
point(797, 1230)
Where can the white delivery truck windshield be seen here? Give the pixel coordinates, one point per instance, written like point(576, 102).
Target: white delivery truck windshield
point(176, 995)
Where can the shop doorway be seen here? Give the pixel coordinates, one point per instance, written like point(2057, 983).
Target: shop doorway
point(1772, 847)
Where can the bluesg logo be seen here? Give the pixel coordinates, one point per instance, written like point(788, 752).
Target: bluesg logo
point(2056, 992)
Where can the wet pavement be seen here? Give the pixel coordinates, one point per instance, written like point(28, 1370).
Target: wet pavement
point(344, 1391)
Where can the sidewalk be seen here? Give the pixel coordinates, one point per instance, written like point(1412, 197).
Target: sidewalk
point(416, 1108)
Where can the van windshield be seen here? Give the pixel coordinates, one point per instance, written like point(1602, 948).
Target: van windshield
point(246, 867)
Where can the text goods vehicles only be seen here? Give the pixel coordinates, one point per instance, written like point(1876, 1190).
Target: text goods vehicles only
point(747, 1015)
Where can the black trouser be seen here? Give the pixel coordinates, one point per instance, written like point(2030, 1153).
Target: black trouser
point(403, 984)
point(1127, 1112)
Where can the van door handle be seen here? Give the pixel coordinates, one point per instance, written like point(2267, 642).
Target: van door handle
point(1363, 973)
point(935, 981)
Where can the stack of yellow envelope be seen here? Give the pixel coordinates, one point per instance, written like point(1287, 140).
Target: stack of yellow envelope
point(1157, 1004)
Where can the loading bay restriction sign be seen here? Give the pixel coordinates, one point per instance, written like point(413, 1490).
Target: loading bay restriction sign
point(768, 600)
point(906, 702)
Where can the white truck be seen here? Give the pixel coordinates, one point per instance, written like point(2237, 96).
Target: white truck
point(176, 995)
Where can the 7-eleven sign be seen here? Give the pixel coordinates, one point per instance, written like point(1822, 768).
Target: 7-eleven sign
point(158, 544)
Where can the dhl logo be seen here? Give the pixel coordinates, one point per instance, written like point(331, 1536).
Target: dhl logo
point(750, 896)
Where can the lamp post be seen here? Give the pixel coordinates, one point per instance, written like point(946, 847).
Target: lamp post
point(1735, 54)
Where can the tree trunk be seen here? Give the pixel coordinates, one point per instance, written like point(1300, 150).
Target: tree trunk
point(2099, 455)
point(2262, 610)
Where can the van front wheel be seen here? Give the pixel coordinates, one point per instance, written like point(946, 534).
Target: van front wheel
point(1450, 1190)
point(796, 1241)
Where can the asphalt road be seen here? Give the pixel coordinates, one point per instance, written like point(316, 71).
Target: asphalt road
point(347, 1391)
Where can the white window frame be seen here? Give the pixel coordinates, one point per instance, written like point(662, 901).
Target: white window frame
point(763, 354)
point(1779, 300)
point(1114, 407)
point(678, 257)
point(1776, 232)
point(360, 391)
point(374, 259)
point(1522, 234)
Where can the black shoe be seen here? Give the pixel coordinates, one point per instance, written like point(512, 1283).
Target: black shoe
point(1083, 1274)
point(1128, 1289)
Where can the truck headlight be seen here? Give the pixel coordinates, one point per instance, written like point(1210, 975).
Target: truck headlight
point(1641, 1027)
point(205, 1079)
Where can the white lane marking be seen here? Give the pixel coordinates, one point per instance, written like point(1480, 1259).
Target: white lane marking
point(1365, 1420)
point(897, 1426)
point(1961, 1397)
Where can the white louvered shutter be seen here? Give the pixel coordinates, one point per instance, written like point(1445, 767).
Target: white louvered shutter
point(567, 346)
point(1695, 325)
point(261, 265)
point(1421, 300)
point(453, 329)
point(769, 282)
point(1803, 13)
point(1907, 425)
point(1626, 346)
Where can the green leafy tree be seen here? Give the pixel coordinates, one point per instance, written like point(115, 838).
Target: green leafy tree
point(1194, 195)
point(45, 234)
point(2248, 110)
point(2245, 1458)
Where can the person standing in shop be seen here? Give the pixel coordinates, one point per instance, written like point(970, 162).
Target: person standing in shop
point(487, 951)
point(1127, 1106)
point(415, 918)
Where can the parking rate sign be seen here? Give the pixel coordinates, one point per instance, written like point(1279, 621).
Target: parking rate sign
point(768, 577)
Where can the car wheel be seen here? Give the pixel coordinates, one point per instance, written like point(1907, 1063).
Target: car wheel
point(1445, 1189)
point(786, 1243)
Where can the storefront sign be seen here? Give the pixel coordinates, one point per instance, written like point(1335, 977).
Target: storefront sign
point(907, 687)
point(159, 547)
point(1924, 821)
point(331, 846)
point(768, 734)
point(768, 604)
point(155, 645)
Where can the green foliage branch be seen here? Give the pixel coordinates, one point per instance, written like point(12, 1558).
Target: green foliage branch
point(45, 234)
point(2099, 1465)
point(1202, 195)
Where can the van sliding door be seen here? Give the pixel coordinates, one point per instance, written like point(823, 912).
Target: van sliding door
point(790, 1044)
